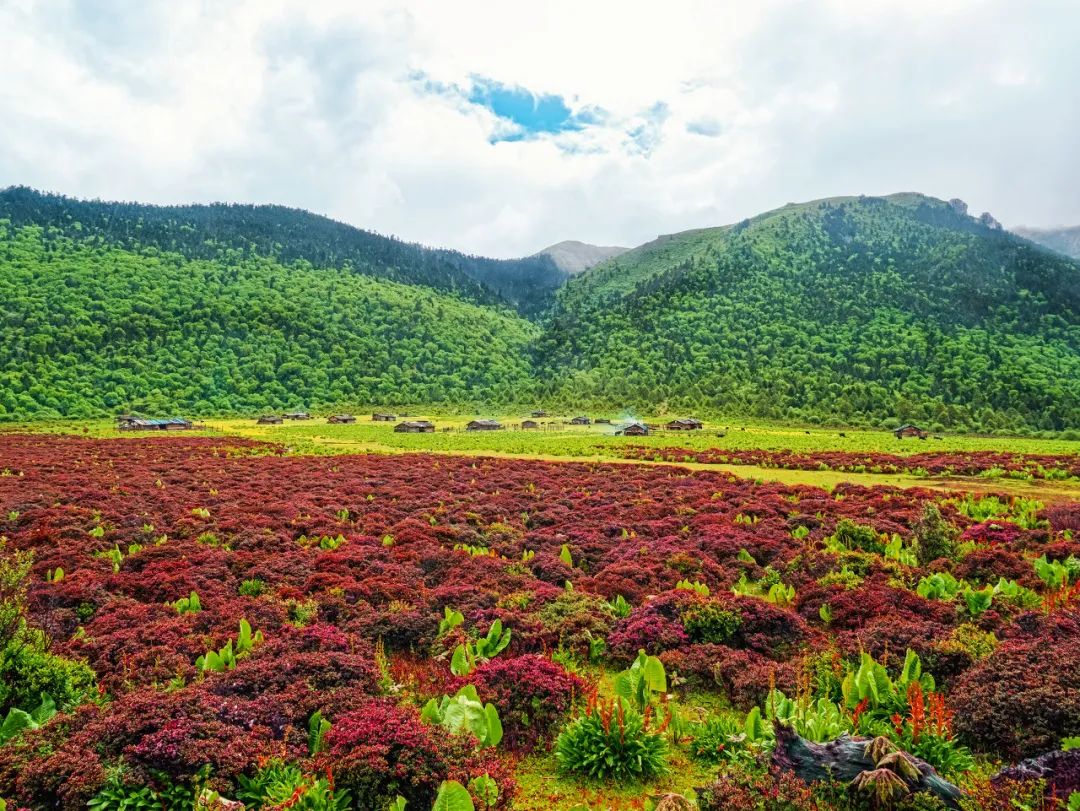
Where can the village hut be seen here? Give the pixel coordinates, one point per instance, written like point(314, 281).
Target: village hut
point(269, 419)
point(539, 413)
point(685, 424)
point(483, 425)
point(341, 419)
point(909, 430)
point(581, 421)
point(633, 429)
point(414, 427)
point(382, 417)
point(171, 424)
point(297, 415)
point(529, 425)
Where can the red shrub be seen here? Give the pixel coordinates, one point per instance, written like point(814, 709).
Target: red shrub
point(534, 697)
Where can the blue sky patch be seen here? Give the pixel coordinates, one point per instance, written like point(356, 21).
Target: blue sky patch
point(531, 114)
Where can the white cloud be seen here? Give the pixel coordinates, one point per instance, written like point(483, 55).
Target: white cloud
point(710, 111)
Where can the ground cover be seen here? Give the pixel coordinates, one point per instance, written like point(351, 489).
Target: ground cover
point(209, 614)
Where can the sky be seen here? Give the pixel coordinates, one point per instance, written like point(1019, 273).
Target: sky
point(498, 128)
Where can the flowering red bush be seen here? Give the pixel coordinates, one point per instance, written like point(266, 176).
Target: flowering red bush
point(381, 750)
point(1023, 699)
point(973, 463)
point(534, 697)
point(328, 556)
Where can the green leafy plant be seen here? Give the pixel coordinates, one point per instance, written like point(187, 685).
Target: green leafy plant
point(317, 729)
point(19, 721)
point(451, 620)
point(699, 588)
point(226, 657)
point(485, 789)
point(644, 679)
point(453, 796)
point(285, 785)
point(465, 712)
point(611, 742)
point(252, 587)
point(565, 556)
point(620, 607)
point(468, 654)
point(188, 605)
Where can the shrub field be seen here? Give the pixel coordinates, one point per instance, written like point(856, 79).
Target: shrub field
point(194, 622)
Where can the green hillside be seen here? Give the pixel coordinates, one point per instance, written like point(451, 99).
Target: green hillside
point(851, 309)
point(288, 235)
point(93, 327)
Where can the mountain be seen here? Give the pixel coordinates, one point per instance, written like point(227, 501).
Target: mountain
point(854, 310)
point(213, 309)
point(1062, 240)
point(573, 257)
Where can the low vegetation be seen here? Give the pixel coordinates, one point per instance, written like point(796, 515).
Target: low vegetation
point(631, 636)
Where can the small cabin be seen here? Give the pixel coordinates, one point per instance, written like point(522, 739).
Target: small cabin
point(380, 417)
point(483, 425)
point(602, 421)
point(581, 421)
point(529, 425)
point(538, 414)
point(269, 419)
point(909, 430)
point(297, 415)
point(633, 429)
point(414, 427)
point(139, 424)
point(341, 419)
point(685, 424)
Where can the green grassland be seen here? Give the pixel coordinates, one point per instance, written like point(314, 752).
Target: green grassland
point(598, 443)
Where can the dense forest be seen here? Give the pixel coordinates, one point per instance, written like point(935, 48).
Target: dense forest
point(226, 231)
point(851, 311)
point(93, 328)
point(854, 310)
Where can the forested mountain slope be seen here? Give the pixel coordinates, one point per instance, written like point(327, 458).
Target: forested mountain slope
point(94, 327)
point(287, 235)
point(849, 309)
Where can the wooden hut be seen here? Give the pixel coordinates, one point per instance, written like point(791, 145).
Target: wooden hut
point(414, 427)
point(539, 413)
point(602, 421)
point(581, 421)
point(341, 419)
point(909, 430)
point(269, 419)
point(685, 424)
point(483, 425)
point(171, 424)
point(529, 425)
point(633, 429)
point(382, 417)
point(297, 415)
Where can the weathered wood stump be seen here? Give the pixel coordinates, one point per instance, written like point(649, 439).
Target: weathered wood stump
point(846, 758)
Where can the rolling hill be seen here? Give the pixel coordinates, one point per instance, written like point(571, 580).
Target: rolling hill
point(854, 310)
point(851, 310)
point(97, 320)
